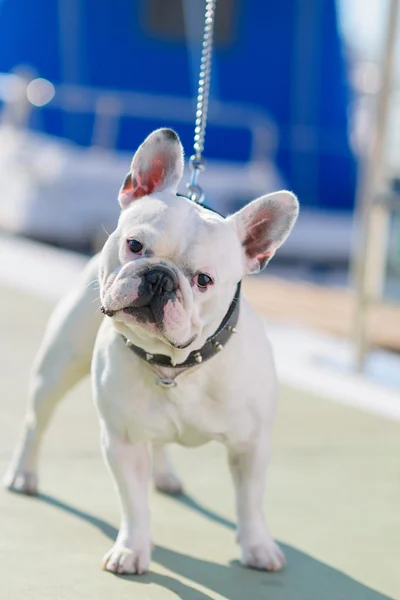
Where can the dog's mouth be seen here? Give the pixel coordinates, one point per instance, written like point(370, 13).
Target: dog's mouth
point(143, 315)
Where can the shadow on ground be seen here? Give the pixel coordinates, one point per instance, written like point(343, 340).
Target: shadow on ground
point(303, 579)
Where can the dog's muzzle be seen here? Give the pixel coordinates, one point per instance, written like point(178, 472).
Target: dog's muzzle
point(157, 287)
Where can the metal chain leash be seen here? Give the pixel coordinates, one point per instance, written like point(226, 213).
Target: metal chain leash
point(197, 161)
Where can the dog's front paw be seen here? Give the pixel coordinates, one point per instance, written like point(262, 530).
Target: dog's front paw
point(265, 555)
point(123, 560)
point(21, 481)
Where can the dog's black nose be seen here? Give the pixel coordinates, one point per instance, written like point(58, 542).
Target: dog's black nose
point(161, 279)
point(152, 276)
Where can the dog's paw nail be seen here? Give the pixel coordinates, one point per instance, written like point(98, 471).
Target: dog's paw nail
point(168, 483)
point(123, 560)
point(22, 482)
point(265, 556)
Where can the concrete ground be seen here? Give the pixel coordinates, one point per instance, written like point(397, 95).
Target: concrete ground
point(333, 502)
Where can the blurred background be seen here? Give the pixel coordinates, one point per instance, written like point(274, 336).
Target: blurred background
point(304, 95)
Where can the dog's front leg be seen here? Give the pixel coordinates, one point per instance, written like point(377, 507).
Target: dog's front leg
point(248, 467)
point(130, 466)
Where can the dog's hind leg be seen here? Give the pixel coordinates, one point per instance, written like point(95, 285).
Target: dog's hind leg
point(63, 359)
point(164, 476)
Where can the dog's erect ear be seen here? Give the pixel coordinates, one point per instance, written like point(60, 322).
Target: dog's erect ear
point(263, 225)
point(156, 165)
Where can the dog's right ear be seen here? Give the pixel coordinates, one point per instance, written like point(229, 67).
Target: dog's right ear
point(156, 165)
point(263, 225)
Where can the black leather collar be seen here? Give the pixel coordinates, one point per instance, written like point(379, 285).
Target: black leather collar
point(214, 344)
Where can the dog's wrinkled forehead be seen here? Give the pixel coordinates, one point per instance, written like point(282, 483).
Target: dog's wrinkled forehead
point(175, 228)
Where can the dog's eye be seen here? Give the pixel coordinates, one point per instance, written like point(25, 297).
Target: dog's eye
point(135, 246)
point(203, 280)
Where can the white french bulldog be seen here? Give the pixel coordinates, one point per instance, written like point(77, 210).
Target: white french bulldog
point(179, 357)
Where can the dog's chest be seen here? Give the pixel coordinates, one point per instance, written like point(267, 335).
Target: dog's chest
point(190, 414)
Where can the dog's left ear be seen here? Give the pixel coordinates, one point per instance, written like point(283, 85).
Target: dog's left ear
point(156, 165)
point(263, 226)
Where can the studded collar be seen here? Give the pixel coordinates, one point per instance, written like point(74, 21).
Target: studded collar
point(213, 345)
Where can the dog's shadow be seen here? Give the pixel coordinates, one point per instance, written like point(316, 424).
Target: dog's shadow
point(303, 579)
